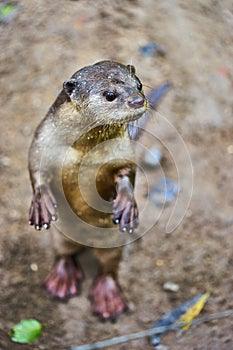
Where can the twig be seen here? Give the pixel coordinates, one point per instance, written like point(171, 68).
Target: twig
point(152, 331)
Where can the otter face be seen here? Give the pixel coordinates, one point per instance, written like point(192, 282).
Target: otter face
point(108, 92)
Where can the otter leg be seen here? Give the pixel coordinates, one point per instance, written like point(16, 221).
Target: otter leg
point(64, 279)
point(106, 296)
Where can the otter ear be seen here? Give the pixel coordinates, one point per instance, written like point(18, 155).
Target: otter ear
point(69, 86)
point(131, 69)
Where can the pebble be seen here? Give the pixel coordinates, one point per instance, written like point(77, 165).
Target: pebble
point(41, 347)
point(131, 307)
point(171, 287)
point(159, 262)
point(230, 149)
point(164, 192)
point(152, 157)
point(34, 267)
point(162, 347)
point(150, 49)
point(5, 161)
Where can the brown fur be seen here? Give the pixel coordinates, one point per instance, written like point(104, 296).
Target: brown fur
point(70, 142)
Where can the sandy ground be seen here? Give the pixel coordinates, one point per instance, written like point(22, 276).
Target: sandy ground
point(43, 45)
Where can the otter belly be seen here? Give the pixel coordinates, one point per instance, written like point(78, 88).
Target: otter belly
point(86, 187)
point(90, 189)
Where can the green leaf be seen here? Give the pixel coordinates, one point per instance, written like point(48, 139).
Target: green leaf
point(6, 10)
point(26, 331)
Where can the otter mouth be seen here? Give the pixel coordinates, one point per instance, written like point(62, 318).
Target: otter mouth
point(135, 116)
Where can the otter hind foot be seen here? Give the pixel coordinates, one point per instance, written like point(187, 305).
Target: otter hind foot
point(64, 280)
point(106, 299)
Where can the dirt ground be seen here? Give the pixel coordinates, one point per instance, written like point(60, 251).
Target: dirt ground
point(43, 45)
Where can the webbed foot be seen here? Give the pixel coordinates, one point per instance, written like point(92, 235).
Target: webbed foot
point(65, 278)
point(106, 298)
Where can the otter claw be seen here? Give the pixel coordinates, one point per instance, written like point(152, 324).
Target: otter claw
point(43, 208)
point(125, 211)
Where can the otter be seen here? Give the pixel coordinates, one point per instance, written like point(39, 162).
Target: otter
point(85, 139)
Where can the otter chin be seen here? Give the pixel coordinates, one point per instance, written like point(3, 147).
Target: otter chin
point(97, 104)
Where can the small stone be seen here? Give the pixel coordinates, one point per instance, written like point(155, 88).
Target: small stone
point(150, 49)
point(41, 347)
point(162, 347)
point(171, 287)
point(5, 161)
point(159, 262)
point(131, 307)
point(34, 267)
point(164, 192)
point(230, 149)
point(153, 157)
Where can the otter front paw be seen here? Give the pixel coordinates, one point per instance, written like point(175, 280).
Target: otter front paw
point(125, 210)
point(106, 298)
point(43, 208)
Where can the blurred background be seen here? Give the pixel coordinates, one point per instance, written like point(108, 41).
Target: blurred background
point(189, 44)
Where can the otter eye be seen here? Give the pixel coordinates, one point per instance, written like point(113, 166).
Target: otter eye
point(70, 85)
point(110, 95)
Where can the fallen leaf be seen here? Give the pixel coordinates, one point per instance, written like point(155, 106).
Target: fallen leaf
point(194, 310)
point(184, 313)
point(26, 331)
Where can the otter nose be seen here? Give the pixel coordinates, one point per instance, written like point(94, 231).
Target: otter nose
point(136, 101)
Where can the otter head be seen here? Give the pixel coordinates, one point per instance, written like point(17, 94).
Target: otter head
point(107, 92)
